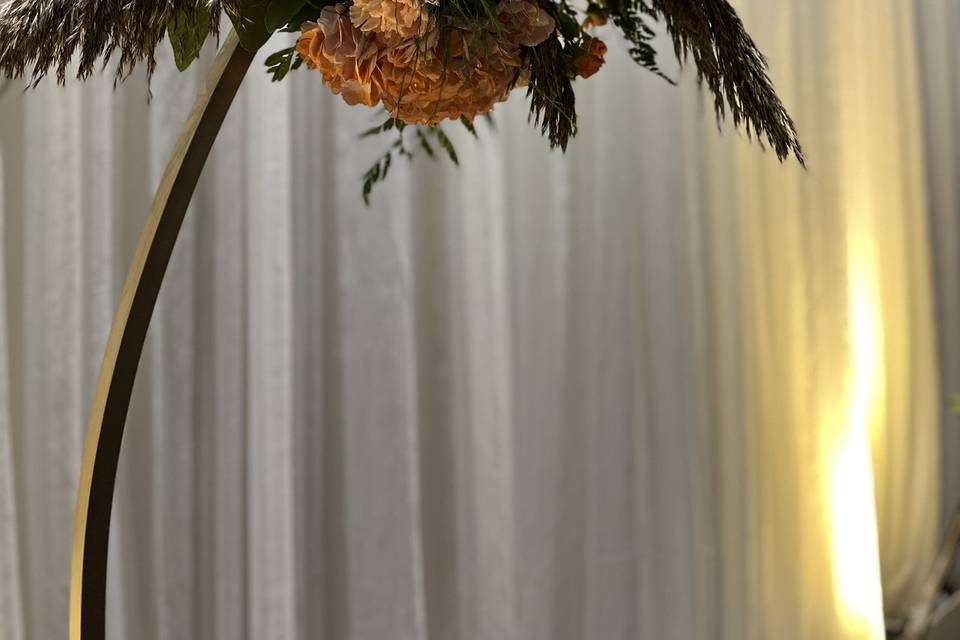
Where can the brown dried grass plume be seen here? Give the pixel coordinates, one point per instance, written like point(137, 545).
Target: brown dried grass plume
point(37, 36)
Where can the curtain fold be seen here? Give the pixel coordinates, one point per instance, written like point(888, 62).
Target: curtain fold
point(662, 387)
point(11, 605)
point(937, 21)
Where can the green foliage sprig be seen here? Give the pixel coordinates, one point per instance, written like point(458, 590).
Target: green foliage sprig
point(425, 136)
point(552, 99)
point(282, 62)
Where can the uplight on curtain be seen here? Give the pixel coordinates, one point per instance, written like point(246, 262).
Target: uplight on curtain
point(689, 393)
point(840, 313)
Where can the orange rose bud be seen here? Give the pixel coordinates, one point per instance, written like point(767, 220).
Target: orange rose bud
point(591, 61)
point(594, 19)
point(598, 48)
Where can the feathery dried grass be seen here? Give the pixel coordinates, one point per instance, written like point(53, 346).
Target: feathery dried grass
point(732, 67)
point(45, 35)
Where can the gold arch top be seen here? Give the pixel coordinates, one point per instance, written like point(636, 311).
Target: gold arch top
point(138, 297)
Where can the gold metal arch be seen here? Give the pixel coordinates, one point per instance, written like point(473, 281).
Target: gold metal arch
point(101, 450)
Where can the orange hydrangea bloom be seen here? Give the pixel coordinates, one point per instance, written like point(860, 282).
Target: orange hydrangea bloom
point(380, 51)
point(393, 20)
point(466, 79)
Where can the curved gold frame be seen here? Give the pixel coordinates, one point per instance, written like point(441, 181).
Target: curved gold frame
point(88, 580)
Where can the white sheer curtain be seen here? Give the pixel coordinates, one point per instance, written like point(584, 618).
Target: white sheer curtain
point(628, 393)
point(938, 21)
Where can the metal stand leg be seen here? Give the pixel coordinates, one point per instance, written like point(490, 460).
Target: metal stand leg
point(101, 450)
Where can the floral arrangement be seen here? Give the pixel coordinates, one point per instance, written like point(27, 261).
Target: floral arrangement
point(424, 62)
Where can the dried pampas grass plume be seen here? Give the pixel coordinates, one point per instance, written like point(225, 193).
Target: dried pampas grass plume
point(45, 35)
point(729, 63)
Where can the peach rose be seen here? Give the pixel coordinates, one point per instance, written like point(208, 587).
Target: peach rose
point(346, 56)
point(594, 19)
point(590, 61)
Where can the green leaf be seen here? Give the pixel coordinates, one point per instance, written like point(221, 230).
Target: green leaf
point(187, 31)
point(278, 57)
point(380, 128)
point(386, 165)
point(249, 20)
point(425, 144)
point(280, 63)
point(375, 174)
point(310, 12)
point(446, 144)
point(281, 12)
point(468, 125)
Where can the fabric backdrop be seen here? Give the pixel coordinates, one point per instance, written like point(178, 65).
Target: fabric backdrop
point(663, 387)
point(938, 21)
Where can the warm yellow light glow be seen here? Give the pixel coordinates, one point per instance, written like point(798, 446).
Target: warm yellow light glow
point(856, 559)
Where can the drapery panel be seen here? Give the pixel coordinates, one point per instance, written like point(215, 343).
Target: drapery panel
point(663, 387)
point(938, 21)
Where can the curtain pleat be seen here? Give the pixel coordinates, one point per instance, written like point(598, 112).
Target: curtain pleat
point(11, 596)
point(937, 23)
